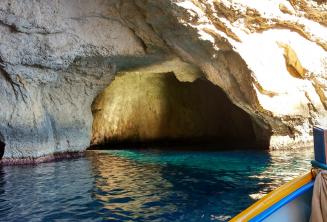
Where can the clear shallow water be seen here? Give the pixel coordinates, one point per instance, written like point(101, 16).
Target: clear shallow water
point(143, 185)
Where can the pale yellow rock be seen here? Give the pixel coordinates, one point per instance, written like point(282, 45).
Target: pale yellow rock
point(293, 64)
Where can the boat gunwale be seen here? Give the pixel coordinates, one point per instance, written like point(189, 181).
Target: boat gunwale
point(273, 197)
point(266, 213)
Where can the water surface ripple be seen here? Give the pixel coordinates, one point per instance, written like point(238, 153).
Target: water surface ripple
point(151, 185)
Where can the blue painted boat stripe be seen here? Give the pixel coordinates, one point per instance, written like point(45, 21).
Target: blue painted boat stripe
point(263, 215)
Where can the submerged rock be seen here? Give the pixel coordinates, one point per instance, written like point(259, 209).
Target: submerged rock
point(268, 57)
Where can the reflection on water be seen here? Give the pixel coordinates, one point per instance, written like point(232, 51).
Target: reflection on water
point(145, 185)
point(283, 167)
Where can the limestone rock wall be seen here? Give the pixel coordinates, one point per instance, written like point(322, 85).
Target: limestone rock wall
point(55, 57)
point(269, 57)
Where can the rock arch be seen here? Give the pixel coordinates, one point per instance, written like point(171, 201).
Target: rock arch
point(144, 107)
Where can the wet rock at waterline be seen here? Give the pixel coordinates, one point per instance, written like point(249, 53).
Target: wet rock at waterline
point(157, 107)
point(268, 57)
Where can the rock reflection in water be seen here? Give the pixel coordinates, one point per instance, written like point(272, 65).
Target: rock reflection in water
point(148, 192)
point(129, 190)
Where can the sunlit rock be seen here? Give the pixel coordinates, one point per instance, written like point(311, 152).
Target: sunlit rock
point(269, 57)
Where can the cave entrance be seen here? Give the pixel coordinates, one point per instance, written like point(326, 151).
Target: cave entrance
point(147, 108)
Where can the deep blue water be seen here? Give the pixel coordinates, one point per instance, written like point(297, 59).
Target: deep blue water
point(144, 185)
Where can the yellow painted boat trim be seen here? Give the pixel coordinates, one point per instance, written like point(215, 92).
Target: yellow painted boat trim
point(273, 197)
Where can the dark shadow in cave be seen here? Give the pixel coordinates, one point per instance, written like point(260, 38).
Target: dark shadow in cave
point(192, 115)
point(2, 146)
point(2, 149)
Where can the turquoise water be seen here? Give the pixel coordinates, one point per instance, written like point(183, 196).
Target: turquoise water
point(145, 185)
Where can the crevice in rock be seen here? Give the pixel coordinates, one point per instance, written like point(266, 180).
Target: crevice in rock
point(319, 90)
point(2, 146)
point(2, 149)
point(19, 25)
point(153, 109)
point(7, 77)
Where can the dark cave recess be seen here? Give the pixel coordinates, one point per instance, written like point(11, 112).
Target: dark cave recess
point(2, 148)
point(158, 110)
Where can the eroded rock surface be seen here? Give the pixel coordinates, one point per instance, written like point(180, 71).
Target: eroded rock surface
point(56, 56)
point(269, 57)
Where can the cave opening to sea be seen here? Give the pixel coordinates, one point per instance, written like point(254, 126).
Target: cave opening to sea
point(142, 108)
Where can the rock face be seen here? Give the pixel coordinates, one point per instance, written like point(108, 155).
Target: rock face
point(269, 58)
point(55, 57)
point(248, 49)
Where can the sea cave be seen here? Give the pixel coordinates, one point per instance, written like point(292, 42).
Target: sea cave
point(166, 110)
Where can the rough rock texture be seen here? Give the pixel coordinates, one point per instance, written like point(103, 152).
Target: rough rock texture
point(55, 57)
point(141, 107)
point(248, 49)
point(269, 57)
